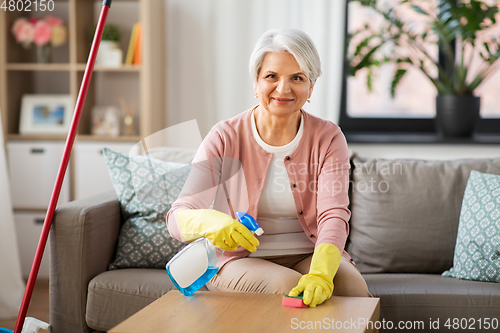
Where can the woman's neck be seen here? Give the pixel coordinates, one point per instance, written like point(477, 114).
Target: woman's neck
point(274, 130)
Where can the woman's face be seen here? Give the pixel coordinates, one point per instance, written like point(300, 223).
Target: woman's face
point(282, 86)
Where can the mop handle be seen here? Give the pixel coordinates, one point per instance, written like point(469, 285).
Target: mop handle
point(62, 167)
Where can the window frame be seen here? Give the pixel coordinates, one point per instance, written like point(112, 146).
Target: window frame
point(388, 125)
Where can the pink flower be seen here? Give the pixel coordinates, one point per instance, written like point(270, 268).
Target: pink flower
point(43, 33)
point(34, 20)
point(17, 24)
point(54, 21)
point(24, 33)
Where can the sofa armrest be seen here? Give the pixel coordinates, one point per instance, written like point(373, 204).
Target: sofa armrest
point(82, 242)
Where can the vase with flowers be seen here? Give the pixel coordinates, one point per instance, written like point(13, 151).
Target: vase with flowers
point(44, 32)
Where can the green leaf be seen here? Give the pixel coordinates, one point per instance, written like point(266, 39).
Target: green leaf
point(400, 72)
point(477, 81)
point(483, 56)
point(366, 61)
point(364, 43)
point(445, 16)
point(460, 78)
point(419, 10)
point(369, 80)
point(487, 48)
point(442, 88)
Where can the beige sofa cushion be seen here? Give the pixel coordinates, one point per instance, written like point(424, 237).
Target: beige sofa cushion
point(405, 212)
point(116, 295)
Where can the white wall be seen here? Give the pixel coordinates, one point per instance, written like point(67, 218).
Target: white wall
point(209, 43)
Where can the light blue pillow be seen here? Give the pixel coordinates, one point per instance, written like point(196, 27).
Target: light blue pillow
point(477, 250)
point(146, 188)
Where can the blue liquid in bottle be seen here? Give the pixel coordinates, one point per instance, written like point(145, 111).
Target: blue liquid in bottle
point(202, 280)
point(197, 263)
point(194, 266)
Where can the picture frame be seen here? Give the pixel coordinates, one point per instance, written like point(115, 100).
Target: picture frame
point(106, 120)
point(46, 114)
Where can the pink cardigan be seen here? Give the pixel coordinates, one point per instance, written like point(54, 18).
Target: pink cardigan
point(318, 170)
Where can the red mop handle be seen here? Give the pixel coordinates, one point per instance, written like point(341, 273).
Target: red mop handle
point(62, 167)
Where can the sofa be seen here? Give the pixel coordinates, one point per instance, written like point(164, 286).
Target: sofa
point(404, 225)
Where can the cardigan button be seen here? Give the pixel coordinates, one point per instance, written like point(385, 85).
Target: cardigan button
point(288, 158)
point(312, 236)
point(294, 185)
point(300, 212)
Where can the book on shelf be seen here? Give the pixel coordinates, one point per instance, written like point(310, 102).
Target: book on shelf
point(134, 45)
point(138, 46)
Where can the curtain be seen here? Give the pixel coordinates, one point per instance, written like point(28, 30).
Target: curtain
point(11, 283)
point(209, 43)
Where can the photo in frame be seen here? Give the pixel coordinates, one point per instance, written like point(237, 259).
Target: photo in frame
point(46, 114)
point(106, 120)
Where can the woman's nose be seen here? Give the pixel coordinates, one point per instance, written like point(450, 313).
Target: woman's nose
point(283, 87)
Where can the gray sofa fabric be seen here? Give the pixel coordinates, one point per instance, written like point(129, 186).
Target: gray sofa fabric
point(109, 291)
point(83, 239)
point(405, 213)
point(425, 297)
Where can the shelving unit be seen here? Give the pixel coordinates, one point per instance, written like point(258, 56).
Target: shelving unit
point(20, 74)
point(34, 159)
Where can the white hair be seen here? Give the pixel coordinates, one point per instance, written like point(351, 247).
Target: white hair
point(293, 41)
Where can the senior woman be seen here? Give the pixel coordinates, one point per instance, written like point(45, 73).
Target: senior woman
point(293, 180)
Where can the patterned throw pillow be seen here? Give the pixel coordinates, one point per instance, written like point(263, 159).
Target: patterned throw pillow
point(146, 188)
point(477, 251)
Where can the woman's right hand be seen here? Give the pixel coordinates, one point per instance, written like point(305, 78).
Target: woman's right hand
point(221, 229)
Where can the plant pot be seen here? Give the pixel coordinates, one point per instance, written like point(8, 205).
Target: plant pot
point(109, 54)
point(456, 115)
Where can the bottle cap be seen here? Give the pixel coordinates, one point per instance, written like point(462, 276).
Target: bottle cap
point(259, 231)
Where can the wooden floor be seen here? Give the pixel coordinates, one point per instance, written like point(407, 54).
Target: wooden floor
point(39, 306)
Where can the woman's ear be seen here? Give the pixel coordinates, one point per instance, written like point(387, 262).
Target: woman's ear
point(311, 88)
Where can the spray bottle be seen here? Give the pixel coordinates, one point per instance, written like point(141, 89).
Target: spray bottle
point(197, 263)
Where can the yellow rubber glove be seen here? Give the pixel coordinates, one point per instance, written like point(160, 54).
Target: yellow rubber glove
point(221, 229)
point(317, 285)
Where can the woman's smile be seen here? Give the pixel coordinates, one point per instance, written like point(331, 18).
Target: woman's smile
point(282, 101)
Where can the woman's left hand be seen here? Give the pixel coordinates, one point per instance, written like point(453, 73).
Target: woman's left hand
point(317, 285)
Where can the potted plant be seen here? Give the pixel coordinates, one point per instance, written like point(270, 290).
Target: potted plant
point(110, 53)
point(459, 28)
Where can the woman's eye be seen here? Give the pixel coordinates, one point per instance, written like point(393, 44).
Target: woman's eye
point(298, 78)
point(271, 76)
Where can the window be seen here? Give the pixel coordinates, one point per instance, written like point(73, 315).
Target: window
point(413, 107)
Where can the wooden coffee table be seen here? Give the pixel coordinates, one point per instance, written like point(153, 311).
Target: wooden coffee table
point(247, 312)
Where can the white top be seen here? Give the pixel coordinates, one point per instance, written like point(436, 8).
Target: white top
point(277, 214)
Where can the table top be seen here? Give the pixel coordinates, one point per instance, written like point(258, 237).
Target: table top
point(249, 312)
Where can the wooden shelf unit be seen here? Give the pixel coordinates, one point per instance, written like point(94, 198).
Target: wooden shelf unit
point(20, 74)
